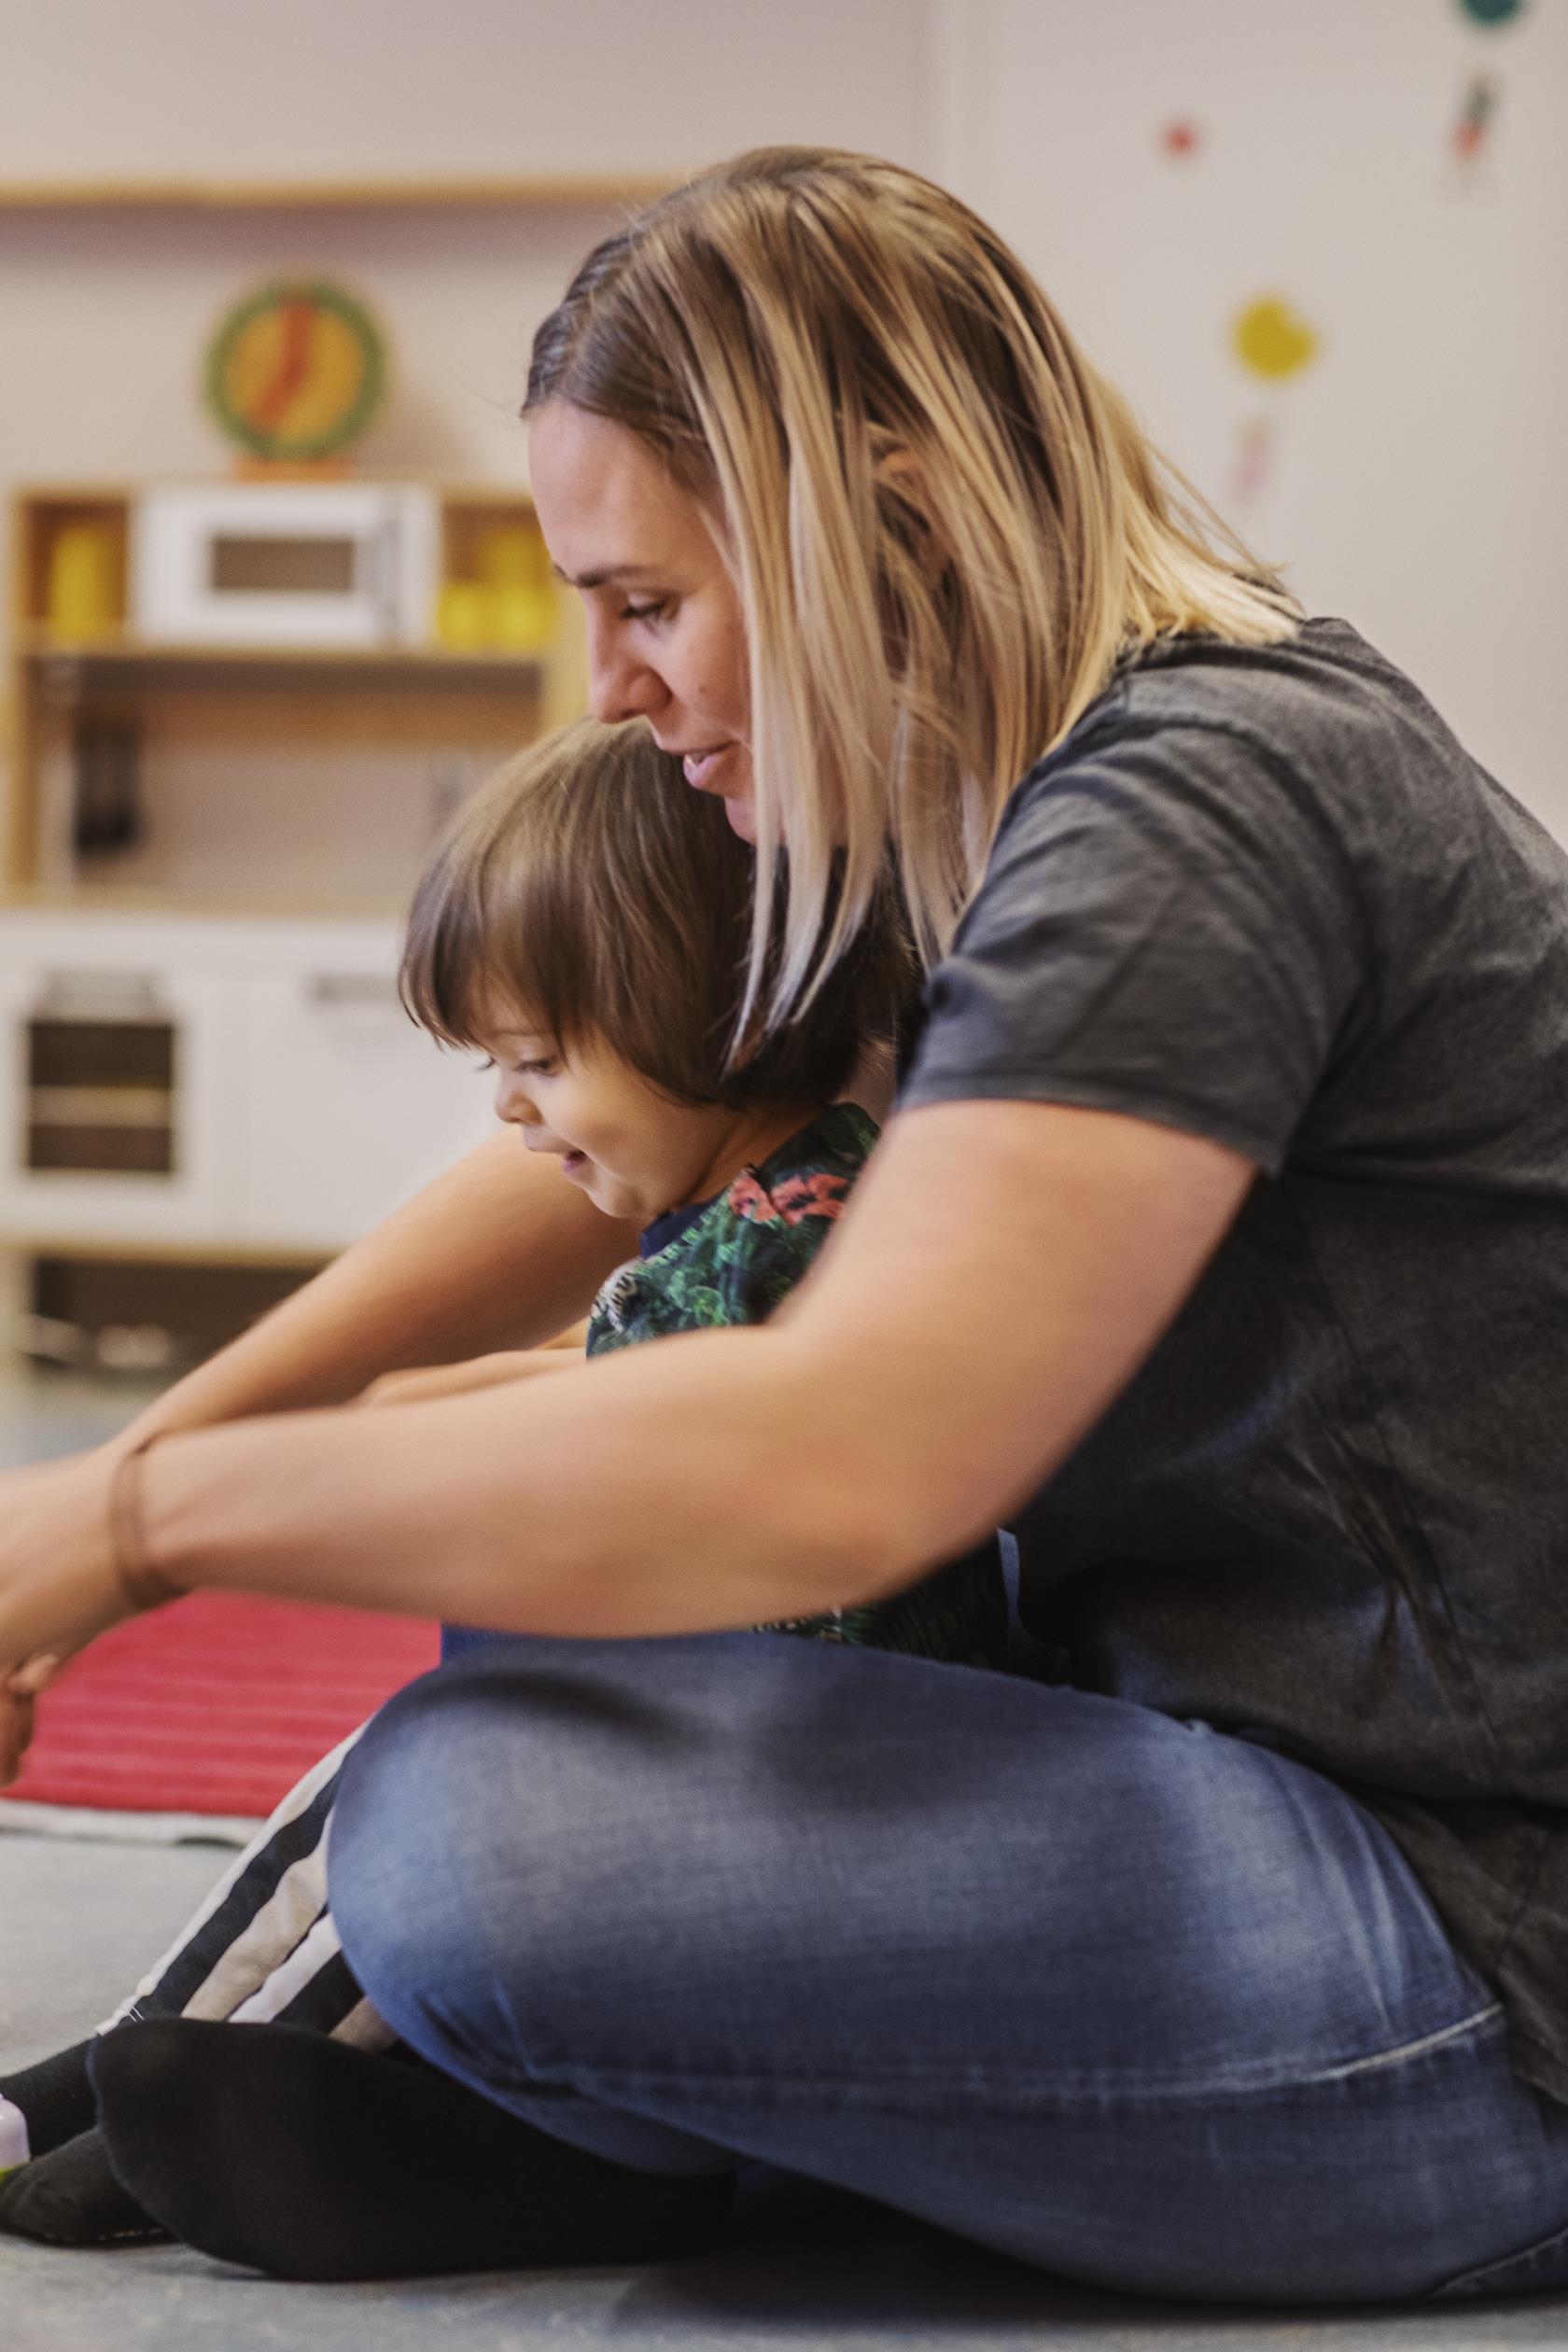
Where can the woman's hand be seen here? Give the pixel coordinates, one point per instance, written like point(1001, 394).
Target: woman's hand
point(422, 1386)
point(58, 1583)
point(16, 1732)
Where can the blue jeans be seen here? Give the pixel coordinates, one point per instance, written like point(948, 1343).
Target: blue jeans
point(460, 1640)
point(1144, 2004)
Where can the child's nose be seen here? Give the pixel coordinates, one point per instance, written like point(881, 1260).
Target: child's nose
point(511, 1100)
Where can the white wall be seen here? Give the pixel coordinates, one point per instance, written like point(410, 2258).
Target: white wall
point(1420, 483)
point(1420, 477)
point(341, 88)
point(103, 316)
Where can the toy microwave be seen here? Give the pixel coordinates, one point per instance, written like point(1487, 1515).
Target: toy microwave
point(285, 564)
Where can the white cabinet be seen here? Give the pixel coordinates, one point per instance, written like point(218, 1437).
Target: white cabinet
point(348, 1107)
point(111, 1150)
point(245, 1087)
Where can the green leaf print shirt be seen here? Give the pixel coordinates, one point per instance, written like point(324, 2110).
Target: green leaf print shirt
point(730, 1261)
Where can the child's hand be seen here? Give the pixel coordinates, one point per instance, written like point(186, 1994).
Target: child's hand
point(481, 1372)
point(58, 1582)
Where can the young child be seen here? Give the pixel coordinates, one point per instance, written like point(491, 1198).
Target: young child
point(586, 924)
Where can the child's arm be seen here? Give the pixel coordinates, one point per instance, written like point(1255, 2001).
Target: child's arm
point(498, 1252)
point(478, 1372)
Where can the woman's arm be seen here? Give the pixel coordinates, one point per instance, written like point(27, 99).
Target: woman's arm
point(498, 1252)
point(1001, 1272)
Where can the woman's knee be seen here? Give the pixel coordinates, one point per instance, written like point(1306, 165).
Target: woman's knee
point(386, 1881)
point(499, 1817)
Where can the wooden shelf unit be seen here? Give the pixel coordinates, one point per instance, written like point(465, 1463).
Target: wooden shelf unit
point(206, 857)
point(458, 708)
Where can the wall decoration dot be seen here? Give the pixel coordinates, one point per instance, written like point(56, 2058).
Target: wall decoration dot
point(1181, 139)
point(1272, 340)
point(296, 371)
point(1473, 126)
point(1492, 12)
point(1253, 460)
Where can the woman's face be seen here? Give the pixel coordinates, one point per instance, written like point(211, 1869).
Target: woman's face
point(666, 641)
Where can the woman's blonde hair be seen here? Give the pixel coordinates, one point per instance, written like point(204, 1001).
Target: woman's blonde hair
point(944, 523)
point(586, 886)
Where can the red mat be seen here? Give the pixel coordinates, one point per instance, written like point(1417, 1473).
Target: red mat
point(216, 1705)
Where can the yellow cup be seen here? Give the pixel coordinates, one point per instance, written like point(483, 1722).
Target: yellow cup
point(510, 557)
point(523, 618)
point(464, 615)
point(83, 587)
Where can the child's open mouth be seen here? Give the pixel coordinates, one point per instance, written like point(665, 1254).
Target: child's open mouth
point(574, 1163)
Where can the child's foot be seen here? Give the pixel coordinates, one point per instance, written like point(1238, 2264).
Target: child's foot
point(296, 2154)
point(43, 2106)
point(70, 2197)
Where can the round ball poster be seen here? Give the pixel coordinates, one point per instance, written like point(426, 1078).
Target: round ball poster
point(296, 371)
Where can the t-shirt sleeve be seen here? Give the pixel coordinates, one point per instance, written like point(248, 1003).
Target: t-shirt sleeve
point(1169, 927)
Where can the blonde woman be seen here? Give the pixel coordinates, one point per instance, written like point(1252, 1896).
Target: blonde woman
point(1219, 1240)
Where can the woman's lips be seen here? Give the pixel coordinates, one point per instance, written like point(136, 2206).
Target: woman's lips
point(573, 1162)
point(702, 770)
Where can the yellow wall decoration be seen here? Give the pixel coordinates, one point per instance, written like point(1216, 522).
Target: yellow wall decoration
point(1273, 339)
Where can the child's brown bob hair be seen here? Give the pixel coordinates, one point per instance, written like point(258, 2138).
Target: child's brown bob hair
point(588, 886)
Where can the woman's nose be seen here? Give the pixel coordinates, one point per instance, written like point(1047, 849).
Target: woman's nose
point(619, 685)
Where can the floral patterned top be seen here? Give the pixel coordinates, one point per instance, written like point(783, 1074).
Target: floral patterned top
point(731, 1262)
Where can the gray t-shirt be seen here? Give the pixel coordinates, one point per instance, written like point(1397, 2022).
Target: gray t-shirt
point(1262, 894)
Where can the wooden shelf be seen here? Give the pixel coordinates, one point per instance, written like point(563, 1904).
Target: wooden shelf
point(448, 662)
point(120, 898)
point(62, 1241)
point(461, 489)
point(553, 191)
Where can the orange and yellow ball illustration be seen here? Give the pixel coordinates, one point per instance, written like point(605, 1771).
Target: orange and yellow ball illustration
point(296, 371)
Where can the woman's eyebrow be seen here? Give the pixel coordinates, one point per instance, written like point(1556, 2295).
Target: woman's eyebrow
point(597, 578)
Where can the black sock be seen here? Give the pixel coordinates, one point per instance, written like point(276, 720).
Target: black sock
point(300, 2156)
point(70, 2197)
point(55, 2097)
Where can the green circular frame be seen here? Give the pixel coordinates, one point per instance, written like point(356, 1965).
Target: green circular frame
point(361, 324)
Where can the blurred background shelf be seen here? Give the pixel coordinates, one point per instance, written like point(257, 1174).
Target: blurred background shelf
point(548, 189)
point(207, 1083)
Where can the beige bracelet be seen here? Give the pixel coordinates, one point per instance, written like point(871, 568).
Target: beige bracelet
point(143, 1586)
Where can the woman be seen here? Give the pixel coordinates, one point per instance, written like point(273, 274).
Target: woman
point(1221, 1238)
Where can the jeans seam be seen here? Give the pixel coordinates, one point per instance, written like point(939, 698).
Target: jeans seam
point(1504, 2267)
point(1417, 2049)
point(946, 2084)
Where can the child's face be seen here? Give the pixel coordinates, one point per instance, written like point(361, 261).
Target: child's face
point(633, 1152)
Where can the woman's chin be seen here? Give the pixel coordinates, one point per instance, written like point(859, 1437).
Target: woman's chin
point(743, 819)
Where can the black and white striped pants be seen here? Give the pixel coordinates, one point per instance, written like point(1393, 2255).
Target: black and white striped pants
point(262, 1949)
